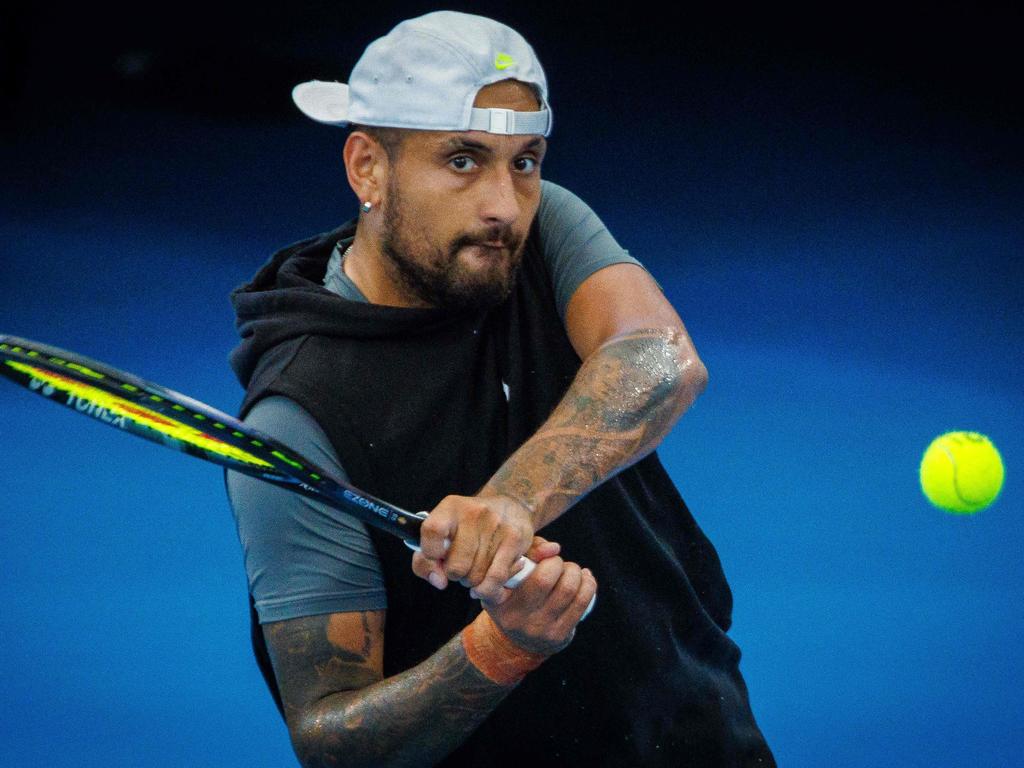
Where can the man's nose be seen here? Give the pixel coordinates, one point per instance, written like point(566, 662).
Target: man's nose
point(500, 202)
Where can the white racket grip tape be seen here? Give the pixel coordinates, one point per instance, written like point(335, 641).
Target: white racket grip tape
point(517, 578)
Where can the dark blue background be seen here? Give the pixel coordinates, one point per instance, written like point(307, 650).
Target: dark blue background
point(834, 205)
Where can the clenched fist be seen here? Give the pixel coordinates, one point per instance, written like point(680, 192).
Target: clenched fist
point(477, 541)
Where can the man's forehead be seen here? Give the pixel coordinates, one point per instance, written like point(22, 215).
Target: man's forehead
point(444, 141)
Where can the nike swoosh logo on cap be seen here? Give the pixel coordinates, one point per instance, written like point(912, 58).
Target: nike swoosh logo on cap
point(503, 61)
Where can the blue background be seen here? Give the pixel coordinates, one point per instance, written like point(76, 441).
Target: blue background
point(834, 205)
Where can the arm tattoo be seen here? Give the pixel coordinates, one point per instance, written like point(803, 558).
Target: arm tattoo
point(341, 712)
point(625, 398)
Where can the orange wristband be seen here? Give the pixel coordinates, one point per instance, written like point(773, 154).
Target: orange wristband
point(498, 658)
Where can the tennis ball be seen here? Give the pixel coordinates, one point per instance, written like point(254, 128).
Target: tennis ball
point(961, 472)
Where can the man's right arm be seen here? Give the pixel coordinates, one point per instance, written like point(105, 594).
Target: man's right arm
point(342, 711)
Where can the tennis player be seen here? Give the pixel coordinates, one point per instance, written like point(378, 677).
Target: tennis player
point(476, 344)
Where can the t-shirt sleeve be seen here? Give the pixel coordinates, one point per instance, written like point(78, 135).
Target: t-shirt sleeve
point(301, 557)
point(576, 243)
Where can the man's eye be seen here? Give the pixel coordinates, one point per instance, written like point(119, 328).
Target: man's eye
point(463, 163)
point(526, 164)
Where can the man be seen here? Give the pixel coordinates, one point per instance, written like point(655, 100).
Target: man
point(477, 345)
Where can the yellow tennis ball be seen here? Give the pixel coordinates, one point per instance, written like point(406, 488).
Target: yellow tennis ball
point(961, 472)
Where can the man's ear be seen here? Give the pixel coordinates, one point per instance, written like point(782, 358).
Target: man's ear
point(366, 164)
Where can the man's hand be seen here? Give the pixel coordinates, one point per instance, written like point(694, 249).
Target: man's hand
point(542, 614)
point(486, 536)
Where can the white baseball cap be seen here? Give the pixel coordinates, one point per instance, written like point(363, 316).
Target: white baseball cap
point(425, 73)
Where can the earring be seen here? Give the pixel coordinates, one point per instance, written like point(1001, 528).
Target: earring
point(365, 207)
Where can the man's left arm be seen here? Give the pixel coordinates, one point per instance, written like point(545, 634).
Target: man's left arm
point(640, 373)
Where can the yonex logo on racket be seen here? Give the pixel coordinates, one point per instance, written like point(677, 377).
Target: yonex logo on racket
point(90, 408)
point(35, 384)
point(171, 419)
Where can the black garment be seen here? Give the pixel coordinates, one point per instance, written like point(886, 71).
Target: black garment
point(413, 401)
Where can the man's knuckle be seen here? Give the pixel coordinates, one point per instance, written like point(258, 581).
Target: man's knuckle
point(555, 635)
point(547, 575)
point(455, 572)
point(456, 569)
point(546, 582)
point(572, 574)
point(490, 592)
point(566, 590)
point(434, 525)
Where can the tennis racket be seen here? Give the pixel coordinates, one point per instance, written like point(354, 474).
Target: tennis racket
point(171, 419)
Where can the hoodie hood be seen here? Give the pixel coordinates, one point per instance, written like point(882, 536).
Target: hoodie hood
point(287, 300)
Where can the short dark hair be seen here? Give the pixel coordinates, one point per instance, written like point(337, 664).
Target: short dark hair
point(389, 138)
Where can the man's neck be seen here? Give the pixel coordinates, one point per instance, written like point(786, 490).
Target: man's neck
point(367, 266)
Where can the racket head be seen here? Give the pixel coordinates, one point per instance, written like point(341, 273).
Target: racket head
point(169, 418)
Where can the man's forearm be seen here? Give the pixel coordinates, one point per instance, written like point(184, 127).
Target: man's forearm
point(412, 719)
point(625, 398)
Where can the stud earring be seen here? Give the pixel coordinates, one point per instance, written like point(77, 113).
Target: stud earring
point(366, 207)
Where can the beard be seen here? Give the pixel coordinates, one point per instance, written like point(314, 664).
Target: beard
point(436, 275)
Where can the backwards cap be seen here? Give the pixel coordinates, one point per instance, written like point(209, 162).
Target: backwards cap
point(425, 73)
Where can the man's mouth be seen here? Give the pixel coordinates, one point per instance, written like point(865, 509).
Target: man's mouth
point(490, 249)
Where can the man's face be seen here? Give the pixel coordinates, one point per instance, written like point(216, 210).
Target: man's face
point(459, 205)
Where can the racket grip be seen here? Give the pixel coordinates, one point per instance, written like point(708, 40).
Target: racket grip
point(517, 578)
point(524, 574)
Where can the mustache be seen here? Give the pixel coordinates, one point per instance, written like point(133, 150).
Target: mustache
point(497, 234)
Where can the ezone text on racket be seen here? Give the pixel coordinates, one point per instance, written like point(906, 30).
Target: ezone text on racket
point(363, 502)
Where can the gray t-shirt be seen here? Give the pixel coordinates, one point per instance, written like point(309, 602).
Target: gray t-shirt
point(304, 558)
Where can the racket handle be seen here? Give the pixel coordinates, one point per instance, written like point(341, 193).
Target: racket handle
point(517, 578)
point(524, 574)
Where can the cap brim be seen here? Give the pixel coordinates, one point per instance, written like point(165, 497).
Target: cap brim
point(322, 101)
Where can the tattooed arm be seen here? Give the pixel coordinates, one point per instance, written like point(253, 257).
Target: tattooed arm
point(640, 373)
point(340, 709)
